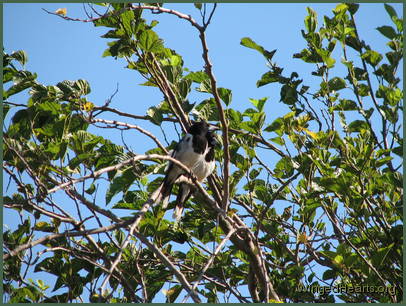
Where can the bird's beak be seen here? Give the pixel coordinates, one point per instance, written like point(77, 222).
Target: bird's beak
point(213, 128)
point(214, 140)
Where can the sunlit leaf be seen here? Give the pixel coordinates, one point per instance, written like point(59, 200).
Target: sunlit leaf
point(61, 11)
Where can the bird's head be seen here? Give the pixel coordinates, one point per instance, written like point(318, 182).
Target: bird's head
point(212, 138)
point(199, 128)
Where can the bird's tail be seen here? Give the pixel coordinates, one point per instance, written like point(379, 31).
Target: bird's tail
point(162, 194)
point(185, 191)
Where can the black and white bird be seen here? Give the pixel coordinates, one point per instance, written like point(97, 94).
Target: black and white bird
point(201, 170)
point(196, 151)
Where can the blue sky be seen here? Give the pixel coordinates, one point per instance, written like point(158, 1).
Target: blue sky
point(61, 50)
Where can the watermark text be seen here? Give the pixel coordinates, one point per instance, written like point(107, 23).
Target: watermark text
point(342, 288)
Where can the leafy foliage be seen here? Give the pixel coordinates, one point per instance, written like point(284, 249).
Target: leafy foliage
point(336, 176)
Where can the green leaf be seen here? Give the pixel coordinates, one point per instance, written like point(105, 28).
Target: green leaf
point(389, 113)
point(399, 24)
point(149, 41)
point(394, 58)
point(363, 90)
point(198, 5)
point(148, 83)
point(8, 74)
point(371, 57)
point(50, 106)
point(346, 105)
point(269, 77)
point(127, 17)
point(352, 7)
point(184, 89)
point(235, 117)
point(398, 151)
point(154, 23)
point(6, 108)
point(329, 274)
point(225, 95)
point(391, 11)
point(310, 20)
point(205, 86)
point(353, 42)
point(325, 56)
point(331, 184)
point(20, 56)
point(329, 62)
point(338, 259)
point(132, 200)
point(79, 159)
point(308, 56)
point(207, 110)
point(360, 74)
point(249, 43)
point(357, 126)
point(383, 161)
point(173, 293)
point(304, 89)
point(331, 46)
point(107, 21)
point(379, 257)
point(276, 126)
point(114, 34)
point(155, 114)
point(56, 149)
point(394, 96)
point(44, 227)
point(340, 8)
point(125, 205)
point(288, 94)
point(173, 60)
point(248, 126)
point(336, 83)
point(26, 80)
point(91, 189)
point(284, 168)
point(259, 104)
point(197, 77)
point(278, 140)
point(121, 183)
point(387, 31)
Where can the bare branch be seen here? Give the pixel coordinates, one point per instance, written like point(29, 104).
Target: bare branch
point(124, 114)
point(66, 234)
point(206, 23)
point(132, 126)
point(158, 9)
point(181, 278)
point(209, 263)
point(223, 120)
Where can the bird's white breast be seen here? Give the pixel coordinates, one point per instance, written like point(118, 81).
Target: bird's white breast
point(185, 153)
point(203, 169)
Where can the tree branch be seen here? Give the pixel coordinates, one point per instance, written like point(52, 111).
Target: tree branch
point(209, 263)
point(132, 126)
point(66, 234)
point(165, 260)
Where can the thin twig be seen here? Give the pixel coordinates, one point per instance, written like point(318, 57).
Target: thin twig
point(123, 246)
point(124, 114)
point(158, 9)
point(132, 126)
point(66, 234)
point(179, 275)
point(209, 263)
